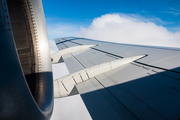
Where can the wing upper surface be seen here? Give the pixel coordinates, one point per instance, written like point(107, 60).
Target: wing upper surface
point(148, 88)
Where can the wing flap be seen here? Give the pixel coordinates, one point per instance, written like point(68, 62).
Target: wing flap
point(72, 64)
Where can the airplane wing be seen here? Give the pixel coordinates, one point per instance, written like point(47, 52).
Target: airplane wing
point(120, 81)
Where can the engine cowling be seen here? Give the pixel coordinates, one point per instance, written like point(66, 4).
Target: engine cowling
point(26, 83)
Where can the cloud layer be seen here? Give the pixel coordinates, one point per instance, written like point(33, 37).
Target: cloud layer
point(128, 29)
point(56, 30)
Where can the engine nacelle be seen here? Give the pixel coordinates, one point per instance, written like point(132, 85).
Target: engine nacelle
point(26, 83)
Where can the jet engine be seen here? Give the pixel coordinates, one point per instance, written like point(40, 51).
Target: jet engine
point(26, 83)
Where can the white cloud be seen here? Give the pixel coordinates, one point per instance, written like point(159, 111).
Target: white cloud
point(131, 30)
point(61, 30)
point(173, 11)
point(147, 18)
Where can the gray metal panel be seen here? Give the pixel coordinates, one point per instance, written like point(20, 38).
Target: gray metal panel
point(172, 62)
point(72, 64)
point(126, 73)
point(137, 107)
point(61, 46)
point(91, 57)
point(146, 83)
point(101, 108)
point(105, 80)
point(87, 42)
point(167, 104)
point(147, 87)
point(122, 110)
point(70, 44)
point(85, 87)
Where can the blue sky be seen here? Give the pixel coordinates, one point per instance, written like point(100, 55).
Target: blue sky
point(78, 13)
